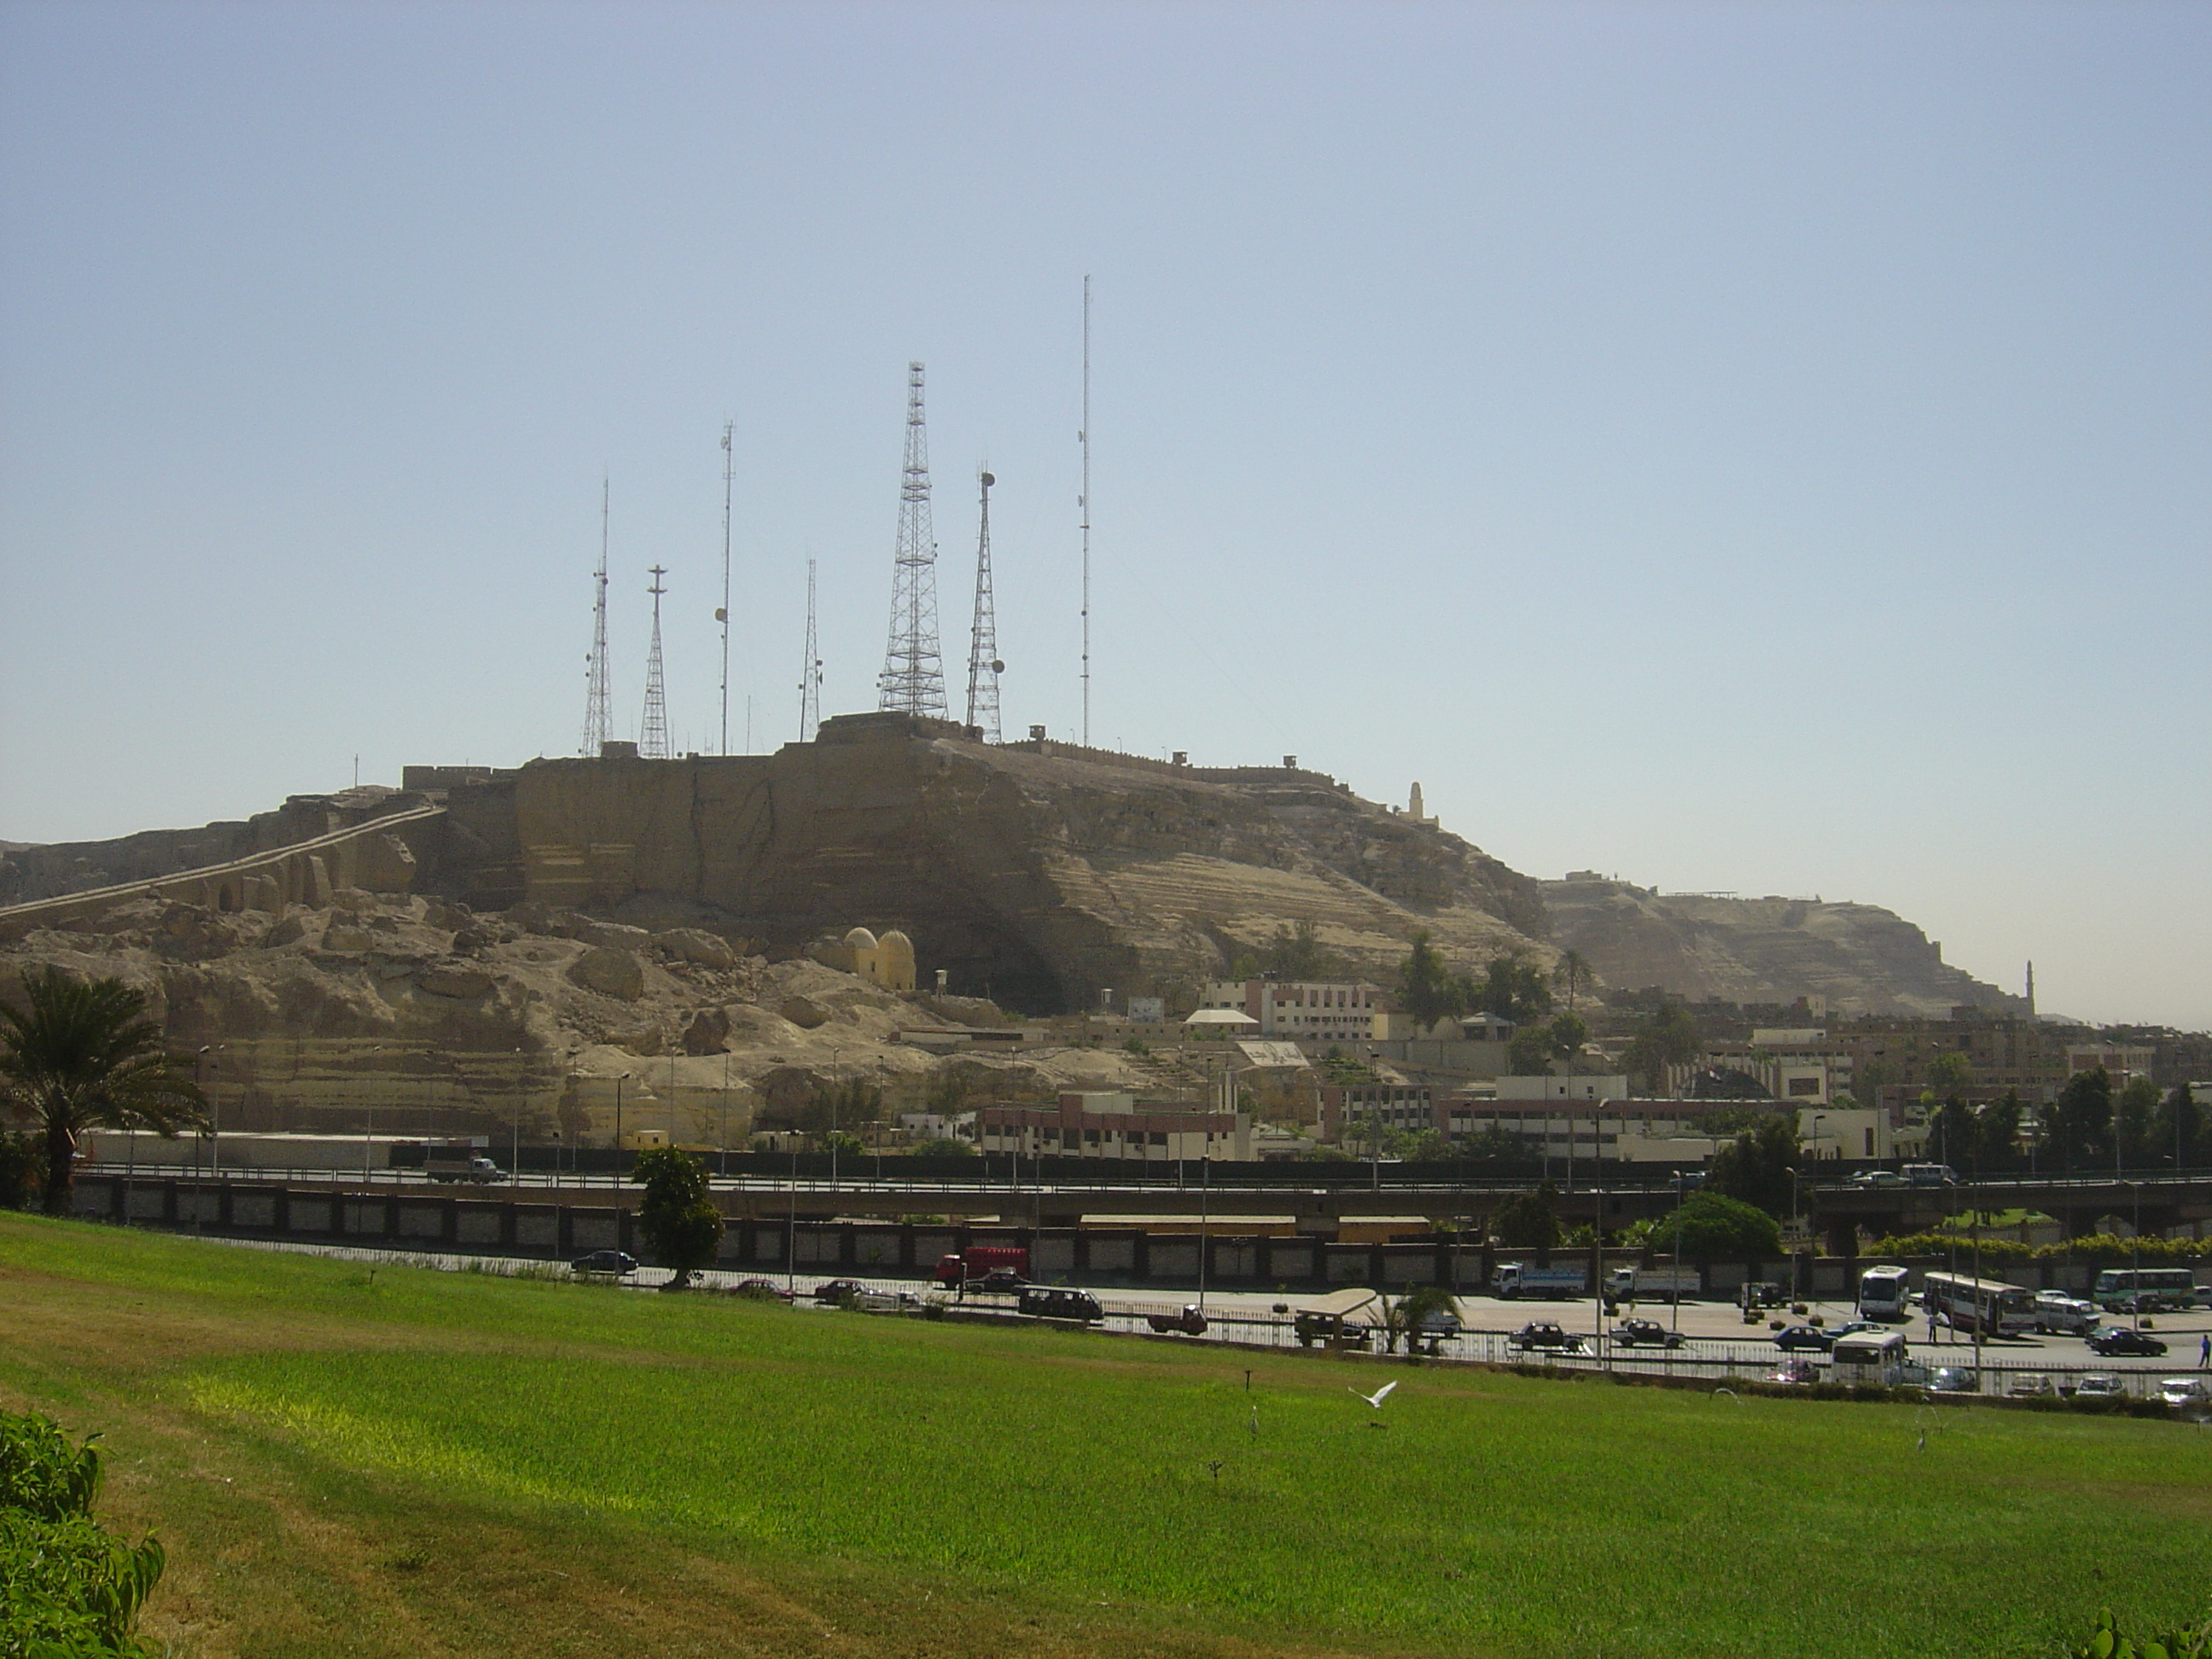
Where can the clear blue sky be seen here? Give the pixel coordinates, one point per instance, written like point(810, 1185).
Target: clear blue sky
point(1738, 447)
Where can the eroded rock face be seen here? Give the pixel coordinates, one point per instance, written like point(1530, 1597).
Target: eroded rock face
point(804, 1012)
point(611, 973)
point(455, 978)
point(691, 945)
point(707, 1032)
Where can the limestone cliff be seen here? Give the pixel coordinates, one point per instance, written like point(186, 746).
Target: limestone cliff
point(1863, 959)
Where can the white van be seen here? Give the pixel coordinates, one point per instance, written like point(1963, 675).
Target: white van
point(1875, 1358)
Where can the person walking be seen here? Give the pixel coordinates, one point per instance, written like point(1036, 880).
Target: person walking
point(2204, 1351)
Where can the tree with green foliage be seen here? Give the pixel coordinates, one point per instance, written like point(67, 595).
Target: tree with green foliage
point(1426, 990)
point(1951, 1133)
point(1573, 972)
point(2134, 1109)
point(2081, 1133)
point(1530, 1221)
point(82, 1055)
point(1669, 1038)
point(1570, 1033)
point(677, 1220)
point(1949, 1073)
point(1755, 1167)
point(1714, 1227)
point(847, 1105)
point(1997, 1133)
point(1513, 988)
point(1404, 1315)
point(2178, 1131)
point(67, 1588)
point(945, 1146)
point(1529, 1052)
point(1296, 952)
point(22, 1170)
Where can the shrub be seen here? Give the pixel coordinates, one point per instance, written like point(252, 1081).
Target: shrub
point(2111, 1643)
point(67, 1589)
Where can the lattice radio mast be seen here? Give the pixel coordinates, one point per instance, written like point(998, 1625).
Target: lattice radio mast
point(810, 671)
point(722, 612)
point(1084, 501)
point(599, 717)
point(914, 669)
point(984, 664)
point(653, 736)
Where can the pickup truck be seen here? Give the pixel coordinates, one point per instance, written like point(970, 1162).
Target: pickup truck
point(454, 1167)
point(1189, 1320)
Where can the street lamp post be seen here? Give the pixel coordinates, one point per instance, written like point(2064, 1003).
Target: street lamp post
point(619, 1081)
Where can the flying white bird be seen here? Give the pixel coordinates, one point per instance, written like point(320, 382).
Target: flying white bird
point(1376, 1398)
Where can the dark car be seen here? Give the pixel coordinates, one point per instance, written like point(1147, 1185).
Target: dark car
point(1050, 1302)
point(2109, 1339)
point(762, 1289)
point(1004, 1280)
point(617, 1262)
point(1798, 1338)
point(1645, 1333)
point(1546, 1336)
point(837, 1289)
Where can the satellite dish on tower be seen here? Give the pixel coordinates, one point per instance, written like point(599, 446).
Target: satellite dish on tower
point(998, 668)
point(989, 481)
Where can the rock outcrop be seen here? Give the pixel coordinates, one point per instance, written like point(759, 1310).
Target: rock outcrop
point(1860, 959)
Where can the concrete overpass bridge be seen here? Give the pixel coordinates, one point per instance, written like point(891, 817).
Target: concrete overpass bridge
point(2151, 1204)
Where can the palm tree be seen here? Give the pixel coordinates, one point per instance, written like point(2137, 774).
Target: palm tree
point(83, 1055)
point(1574, 972)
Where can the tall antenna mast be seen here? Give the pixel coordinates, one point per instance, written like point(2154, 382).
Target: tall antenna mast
point(722, 612)
point(599, 718)
point(810, 671)
point(653, 736)
point(1084, 501)
point(912, 680)
point(984, 664)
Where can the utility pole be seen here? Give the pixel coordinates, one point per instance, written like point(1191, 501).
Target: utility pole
point(912, 680)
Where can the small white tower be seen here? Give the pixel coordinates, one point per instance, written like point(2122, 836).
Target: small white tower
point(1413, 808)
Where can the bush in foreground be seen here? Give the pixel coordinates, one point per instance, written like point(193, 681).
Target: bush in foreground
point(67, 1589)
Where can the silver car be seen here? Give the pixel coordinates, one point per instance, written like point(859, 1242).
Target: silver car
point(2100, 1385)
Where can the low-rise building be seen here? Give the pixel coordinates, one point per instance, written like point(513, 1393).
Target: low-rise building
point(1114, 1124)
point(1322, 1011)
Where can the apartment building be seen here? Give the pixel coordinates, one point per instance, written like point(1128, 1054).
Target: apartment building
point(1320, 1011)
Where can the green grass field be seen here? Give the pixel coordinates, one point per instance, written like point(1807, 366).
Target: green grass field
point(422, 1462)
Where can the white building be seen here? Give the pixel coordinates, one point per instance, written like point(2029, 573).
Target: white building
point(1320, 1011)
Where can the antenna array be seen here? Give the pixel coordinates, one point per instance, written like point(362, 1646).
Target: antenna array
point(810, 671)
point(599, 718)
point(912, 680)
point(722, 613)
point(984, 664)
point(1084, 501)
point(653, 736)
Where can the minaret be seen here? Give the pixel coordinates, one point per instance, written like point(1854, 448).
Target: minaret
point(984, 664)
point(912, 680)
point(653, 736)
point(2031, 990)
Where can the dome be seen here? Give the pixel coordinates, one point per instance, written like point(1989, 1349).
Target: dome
point(895, 940)
point(860, 940)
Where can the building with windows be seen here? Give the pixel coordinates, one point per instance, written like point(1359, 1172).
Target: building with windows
point(1408, 1107)
point(1320, 1011)
point(1112, 1124)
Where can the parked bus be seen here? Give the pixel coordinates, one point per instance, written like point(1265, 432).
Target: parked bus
point(1988, 1305)
point(1869, 1356)
point(1882, 1292)
point(2144, 1290)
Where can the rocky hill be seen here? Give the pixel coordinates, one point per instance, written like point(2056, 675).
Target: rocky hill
point(1860, 958)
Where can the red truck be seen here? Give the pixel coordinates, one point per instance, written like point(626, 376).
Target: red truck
point(981, 1261)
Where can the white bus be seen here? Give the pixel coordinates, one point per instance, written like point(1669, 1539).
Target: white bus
point(1988, 1305)
point(1869, 1356)
point(2144, 1290)
point(1882, 1292)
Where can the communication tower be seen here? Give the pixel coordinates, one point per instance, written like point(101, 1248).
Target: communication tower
point(810, 671)
point(653, 736)
point(722, 611)
point(599, 717)
point(913, 679)
point(1084, 501)
point(984, 664)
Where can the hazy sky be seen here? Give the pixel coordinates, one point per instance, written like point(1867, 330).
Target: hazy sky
point(1749, 448)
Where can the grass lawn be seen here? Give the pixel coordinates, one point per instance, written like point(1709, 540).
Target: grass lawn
point(409, 1463)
